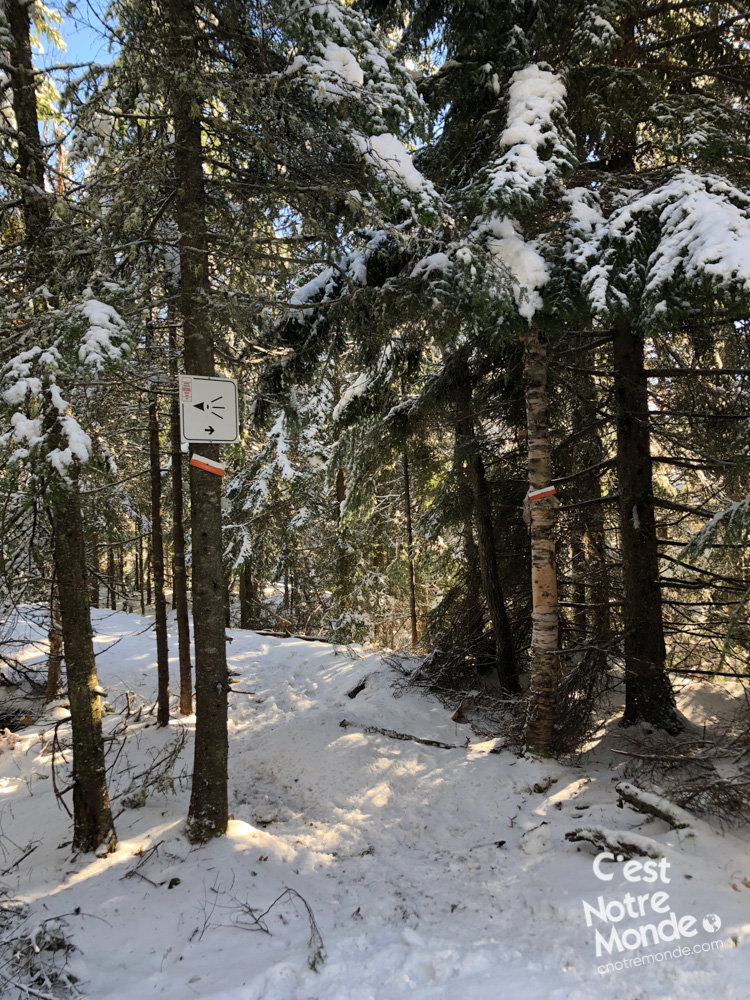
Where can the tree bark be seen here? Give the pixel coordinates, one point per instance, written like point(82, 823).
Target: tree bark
point(139, 558)
point(149, 564)
point(579, 572)
point(54, 660)
point(248, 598)
point(648, 693)
point(595, 583)
point(94, 573)
point(545, 635)
point(340, 475)
point(473, 595)
point(31, 160)
point(179, 571)
point(209, 813)
point(410, 551)
point(111, 593)
point(467, 447)
point(92, 816)
point(121, 577)
point(157, 547)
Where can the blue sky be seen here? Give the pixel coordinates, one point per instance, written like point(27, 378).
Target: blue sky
point(84, 36)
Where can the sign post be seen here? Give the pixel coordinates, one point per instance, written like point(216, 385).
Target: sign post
point(209, 410)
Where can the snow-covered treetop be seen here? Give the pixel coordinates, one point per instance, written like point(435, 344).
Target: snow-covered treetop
point(536, 146)
point(340, 49)
point(594, 32)
point(376, 100)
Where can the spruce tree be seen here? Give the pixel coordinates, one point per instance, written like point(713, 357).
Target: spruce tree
point(617, 202)
point(58, 332)
point(283, 122)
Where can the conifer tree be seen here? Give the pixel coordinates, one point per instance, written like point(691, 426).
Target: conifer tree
point(280, 118)
point(646, 107)
point(59, 330)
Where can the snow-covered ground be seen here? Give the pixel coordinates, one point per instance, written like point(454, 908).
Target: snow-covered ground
point(431, 873)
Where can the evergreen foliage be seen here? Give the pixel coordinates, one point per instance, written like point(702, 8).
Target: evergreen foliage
point(380, 243)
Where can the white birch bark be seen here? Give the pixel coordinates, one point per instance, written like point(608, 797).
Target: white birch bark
point(542, 516)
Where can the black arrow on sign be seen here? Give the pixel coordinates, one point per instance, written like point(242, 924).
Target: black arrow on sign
point(209, 430)
point(199, 406)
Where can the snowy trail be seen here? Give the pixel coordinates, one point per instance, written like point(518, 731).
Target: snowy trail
point(393, 845)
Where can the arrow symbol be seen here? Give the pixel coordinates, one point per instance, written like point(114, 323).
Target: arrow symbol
point(209, 430)
point(199, 406)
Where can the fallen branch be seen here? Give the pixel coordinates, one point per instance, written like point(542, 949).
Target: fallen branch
point(143, 858)
point(30, 991)
point(286, 634)
point(392, 734)
point(57, 748)
point(655, 805)
point(673, 758)
point(628, 844)
point(315, 941)
point(18, 862)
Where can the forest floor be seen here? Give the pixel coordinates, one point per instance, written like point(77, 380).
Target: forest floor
point(429, 872)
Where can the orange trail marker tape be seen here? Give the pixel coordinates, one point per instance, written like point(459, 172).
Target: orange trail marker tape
point(208, 465)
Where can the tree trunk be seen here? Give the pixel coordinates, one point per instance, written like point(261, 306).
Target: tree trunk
point(410, 552)
point(648, 693)
point(121, 577)
point(111, 594)
point(157, 547)
point(545, 635)
point(139, 559)
point(598, 574)
point(95, 571)
point(473, 596)
point(208, 814)
point(340, 475)
point(54, 660)
point(31, 161)
point(596, 584)
point(179, 571)
point(340, 492)
point(248, 599)
point(467, 447)
point(579, 571)
point(92, 816)
point(149, 562)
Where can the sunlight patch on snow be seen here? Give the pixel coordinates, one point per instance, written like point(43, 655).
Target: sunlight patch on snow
point(410, 856)
point(378, 796)
point(570, 791)
point(348, 741)
point(237, 828)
